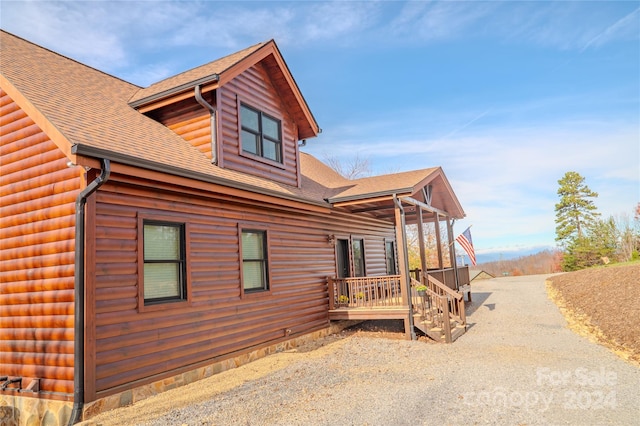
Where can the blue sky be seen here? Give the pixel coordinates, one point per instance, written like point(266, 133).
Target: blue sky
point(505, 96)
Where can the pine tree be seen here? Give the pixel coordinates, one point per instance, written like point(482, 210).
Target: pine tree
point(575, 213)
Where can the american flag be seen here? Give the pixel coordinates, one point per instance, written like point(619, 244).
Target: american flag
point(464, 240)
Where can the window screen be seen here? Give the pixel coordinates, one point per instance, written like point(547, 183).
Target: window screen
point(164, 262)
point(254, 260)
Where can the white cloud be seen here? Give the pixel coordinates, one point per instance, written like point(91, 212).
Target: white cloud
point(113, 35)
point(110, 35)
point(233, 26)
point(337, 21)
point(439, 20)
point(626, 27)
point(563, 25)
point(506, 174)
point(77, 31)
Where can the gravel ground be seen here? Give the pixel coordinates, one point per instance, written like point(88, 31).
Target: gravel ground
point(518, 364)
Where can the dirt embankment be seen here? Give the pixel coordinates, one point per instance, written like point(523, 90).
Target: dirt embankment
point(602, 304)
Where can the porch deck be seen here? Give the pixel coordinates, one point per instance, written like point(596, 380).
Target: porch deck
point(373, 313)
point(385, 297)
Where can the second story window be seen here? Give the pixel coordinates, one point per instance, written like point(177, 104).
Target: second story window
point(261, 134)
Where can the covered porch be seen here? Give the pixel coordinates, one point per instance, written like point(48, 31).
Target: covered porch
point(382, 297)
point(427, 298)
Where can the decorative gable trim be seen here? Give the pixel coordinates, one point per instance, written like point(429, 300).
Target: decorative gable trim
point(282, 78)
point(360, 192)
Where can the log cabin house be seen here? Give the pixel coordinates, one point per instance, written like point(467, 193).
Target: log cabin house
point(154, 236)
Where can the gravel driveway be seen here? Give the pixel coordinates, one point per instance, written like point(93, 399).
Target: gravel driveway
point(517, 364)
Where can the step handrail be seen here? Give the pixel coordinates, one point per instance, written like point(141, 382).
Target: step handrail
point(458, 298)
point(440, 286)
point(441, 302)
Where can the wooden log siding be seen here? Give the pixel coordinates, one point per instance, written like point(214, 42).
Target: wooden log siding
point(37, 223)
point(190, 120)
point(126, 343)
point(255, 88)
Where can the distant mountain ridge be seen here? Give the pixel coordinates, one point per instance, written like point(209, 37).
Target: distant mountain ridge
point(524, 262)
point(504, 255)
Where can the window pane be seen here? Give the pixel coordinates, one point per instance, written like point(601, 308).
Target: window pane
point(357, 248)
point(161, 242)
point(358, 258)
point(271, 150)
point(161, 280)
point(253, 275)
point(271, 128)
point(391, 259)
point(250, 142)
point(249, 118)
point(252, 245)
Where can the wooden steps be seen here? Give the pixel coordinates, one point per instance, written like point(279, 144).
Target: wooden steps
point(435, 332)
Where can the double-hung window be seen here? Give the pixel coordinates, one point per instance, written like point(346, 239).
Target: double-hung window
point(255, 268)
point(261, 134)
point(164, 278)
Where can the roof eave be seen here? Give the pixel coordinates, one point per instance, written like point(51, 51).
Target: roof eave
point(364, 197)
point(128, 160)
point(213, 78)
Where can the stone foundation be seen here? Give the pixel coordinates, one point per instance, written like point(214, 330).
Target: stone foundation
point(26, 411)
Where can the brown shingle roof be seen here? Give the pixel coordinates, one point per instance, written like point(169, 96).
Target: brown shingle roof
point(193, 75)
point(333, 187)
point(338, 187)
point(405, 182)
point(90, 110)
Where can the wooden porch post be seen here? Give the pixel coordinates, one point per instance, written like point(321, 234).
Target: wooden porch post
point(423, 256)
point(452, 251)
point(402, 256)
point(439, 242)
point(403, 263)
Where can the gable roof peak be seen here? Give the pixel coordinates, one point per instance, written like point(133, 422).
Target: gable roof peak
point(216, 74)
point(240, 53)
point(207, 73)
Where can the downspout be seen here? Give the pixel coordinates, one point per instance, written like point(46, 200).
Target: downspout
point(79, 283)
point(406, 264)
point(214, 127)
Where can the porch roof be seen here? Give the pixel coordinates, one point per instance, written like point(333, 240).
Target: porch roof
point(374, 195)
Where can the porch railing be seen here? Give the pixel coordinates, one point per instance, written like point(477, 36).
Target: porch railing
point(439, 305)
point(365, 292)
point(456, 305)
point(446, 276)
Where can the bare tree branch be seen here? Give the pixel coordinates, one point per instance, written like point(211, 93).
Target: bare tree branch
point(353, 168)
